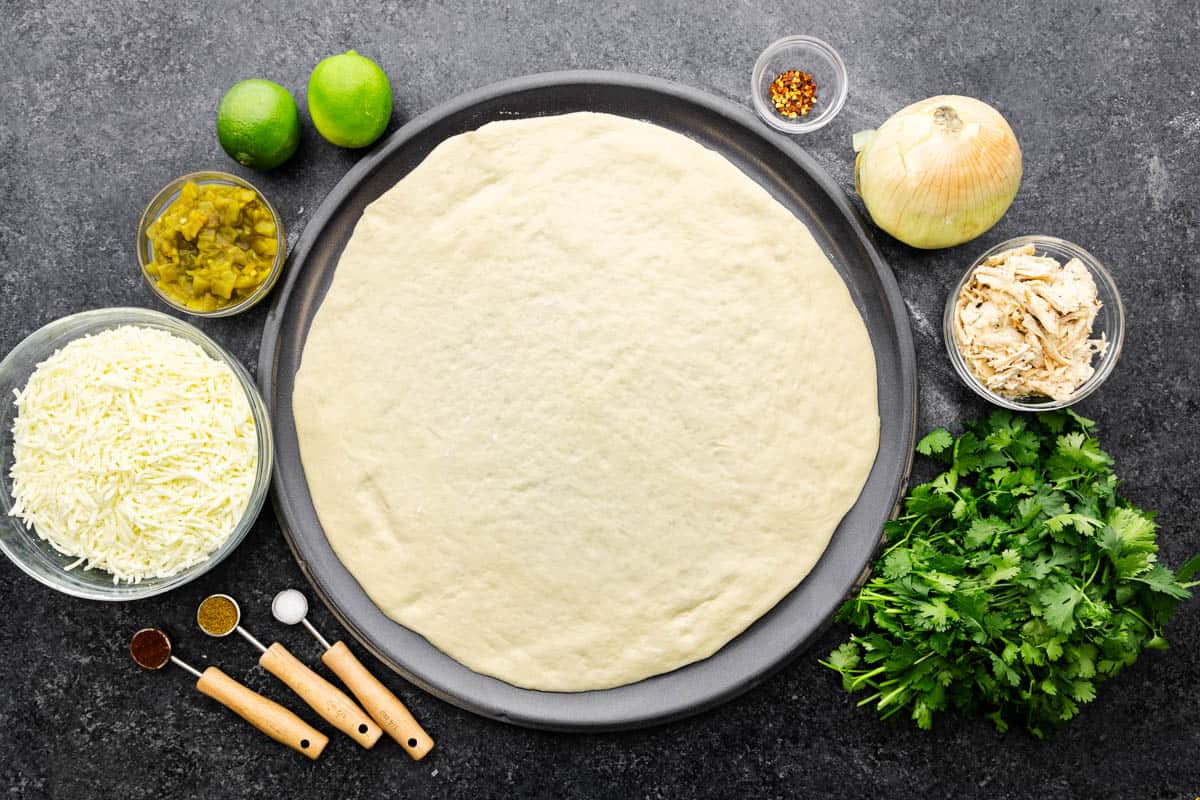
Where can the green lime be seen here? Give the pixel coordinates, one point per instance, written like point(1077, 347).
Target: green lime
point(350, 99)
point(258, 124)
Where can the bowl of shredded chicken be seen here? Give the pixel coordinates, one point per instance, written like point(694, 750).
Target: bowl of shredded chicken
point(135, 454)
point(1036, 323)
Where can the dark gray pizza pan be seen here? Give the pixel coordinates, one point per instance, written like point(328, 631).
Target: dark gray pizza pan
point(796, 180)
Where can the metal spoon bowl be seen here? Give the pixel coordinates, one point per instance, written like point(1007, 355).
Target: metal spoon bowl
point(291, 608)
point(148, 638)
point(211, 602)
point(214, 599)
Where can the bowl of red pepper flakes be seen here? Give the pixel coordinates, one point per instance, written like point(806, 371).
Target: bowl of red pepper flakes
point(799, 84)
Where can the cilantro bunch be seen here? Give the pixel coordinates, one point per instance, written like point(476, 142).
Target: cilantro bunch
point(1013, 583)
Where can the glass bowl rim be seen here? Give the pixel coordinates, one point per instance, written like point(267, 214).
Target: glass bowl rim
point(157, 205)
point(98, 320)
point(813, 123)
point(1105, 285)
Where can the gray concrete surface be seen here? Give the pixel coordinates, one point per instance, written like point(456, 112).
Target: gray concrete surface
point(102, 103)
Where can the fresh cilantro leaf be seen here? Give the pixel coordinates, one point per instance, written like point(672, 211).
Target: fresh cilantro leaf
point(960, 509)
point(1004, 672)
point(968, 454)
point(1016, 582)
point(1162, 580)
point(1028, 509)
point(897, 564)
point(1083, 691)
point(1129, 539)
point(846, 656)
point(1081, 522)
point(942, 583)
point(923, 501)
point(1024, 447)
point(1078, 449)
point(1054, 650)
point(923, 714)
point(936, 614)
point(1002, 421)
point(940, 643)
point(1058, 606)
point(1189, 568)
point(1129, 531)
point(934, 442)
point(945, 484)
point(1084, 423)
point(981, 531)
point(1003, 567)
point(1053, 421)
point(1053, 503)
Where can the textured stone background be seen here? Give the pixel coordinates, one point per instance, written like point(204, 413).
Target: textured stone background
point(100, 104)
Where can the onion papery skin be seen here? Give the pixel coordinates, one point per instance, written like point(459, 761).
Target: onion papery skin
point(939, 172)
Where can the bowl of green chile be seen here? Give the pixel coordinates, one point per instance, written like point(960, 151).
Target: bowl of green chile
point(210, 244)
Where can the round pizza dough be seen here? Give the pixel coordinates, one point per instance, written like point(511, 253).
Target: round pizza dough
point(583, 401)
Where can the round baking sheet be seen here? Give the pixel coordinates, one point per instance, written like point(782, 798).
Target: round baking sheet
point(795, 180)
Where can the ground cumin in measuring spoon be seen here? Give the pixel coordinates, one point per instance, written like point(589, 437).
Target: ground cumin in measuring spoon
point(217, 616)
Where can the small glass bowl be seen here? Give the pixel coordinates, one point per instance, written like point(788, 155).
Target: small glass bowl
point(168, 194)
point(1110, 322)
point(813, 56)
point(36, 556)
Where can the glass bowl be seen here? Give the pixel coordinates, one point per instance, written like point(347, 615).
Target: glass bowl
point(166, 196)
point(34, 555)
point(1110, 322)
point(813, 56)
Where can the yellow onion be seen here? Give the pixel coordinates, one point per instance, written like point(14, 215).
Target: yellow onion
point(939, 172)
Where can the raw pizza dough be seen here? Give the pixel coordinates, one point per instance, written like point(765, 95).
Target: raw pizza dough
point(583, 401)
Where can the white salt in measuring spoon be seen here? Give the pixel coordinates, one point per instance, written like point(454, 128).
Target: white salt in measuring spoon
point(322, 696)
point(151, 649)
point(291, 608)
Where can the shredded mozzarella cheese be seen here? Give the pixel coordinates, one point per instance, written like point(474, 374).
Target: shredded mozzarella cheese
point(134, 452)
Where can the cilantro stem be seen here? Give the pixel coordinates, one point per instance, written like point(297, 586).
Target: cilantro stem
point(867, 676)
point(1083, 594)
point(892, 546)
point(886, 699)
point(1139, 617)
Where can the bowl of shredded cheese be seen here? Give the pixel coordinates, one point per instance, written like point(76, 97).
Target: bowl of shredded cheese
point(1035, 324)
point(135, 454)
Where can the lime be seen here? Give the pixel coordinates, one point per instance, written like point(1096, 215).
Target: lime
point(350, 99)
point(258, 124)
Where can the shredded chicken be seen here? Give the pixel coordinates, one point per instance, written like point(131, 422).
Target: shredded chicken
point(1023, 324)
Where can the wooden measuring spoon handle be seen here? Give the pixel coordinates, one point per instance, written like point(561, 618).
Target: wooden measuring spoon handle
point(384, 706)
point(326, 699)
point(268, 716)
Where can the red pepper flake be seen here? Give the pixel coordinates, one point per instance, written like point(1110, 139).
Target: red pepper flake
point(793, 93)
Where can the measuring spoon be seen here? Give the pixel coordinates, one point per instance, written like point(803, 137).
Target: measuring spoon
point(321, 695)
point(291, 608)
point(151, 649)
